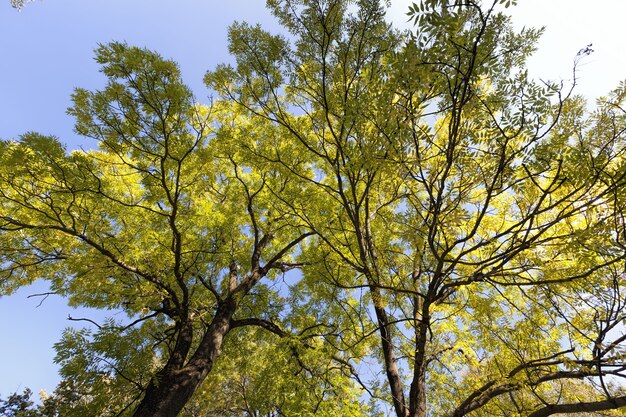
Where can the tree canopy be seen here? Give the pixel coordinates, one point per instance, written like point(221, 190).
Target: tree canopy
point(18, 4)
point(363, 221)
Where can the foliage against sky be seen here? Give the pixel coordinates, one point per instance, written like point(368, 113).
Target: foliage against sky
point(452, 221)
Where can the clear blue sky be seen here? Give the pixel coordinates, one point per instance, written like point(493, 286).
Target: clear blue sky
point(46, 51)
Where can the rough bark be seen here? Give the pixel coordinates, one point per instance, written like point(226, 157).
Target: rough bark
point(172, 388)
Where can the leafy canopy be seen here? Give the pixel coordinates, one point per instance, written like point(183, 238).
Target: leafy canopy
point(453, 228)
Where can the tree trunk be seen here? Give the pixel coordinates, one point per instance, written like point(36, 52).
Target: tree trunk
point(417, 407)
point(391, 365)
point(171, 389)
point(417, 394)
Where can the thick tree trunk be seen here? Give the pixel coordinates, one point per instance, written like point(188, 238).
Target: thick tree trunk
point(167, 396)
point(171, 389)
point(391, 365)
point(417, 395)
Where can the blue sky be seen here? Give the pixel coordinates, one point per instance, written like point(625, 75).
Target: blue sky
point(47, 50)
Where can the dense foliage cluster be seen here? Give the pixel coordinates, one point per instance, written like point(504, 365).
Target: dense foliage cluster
point(364, 221)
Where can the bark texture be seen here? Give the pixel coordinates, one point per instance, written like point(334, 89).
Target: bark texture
point(172, 388)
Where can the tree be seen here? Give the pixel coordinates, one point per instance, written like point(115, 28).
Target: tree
point(472, 217)
point(19, 405)
point(18, 4)
point(50, 405)
point(453, 221)
point(168, 221)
